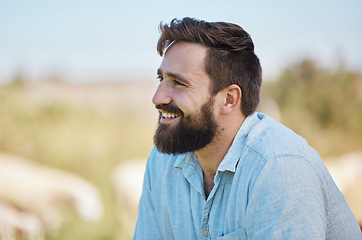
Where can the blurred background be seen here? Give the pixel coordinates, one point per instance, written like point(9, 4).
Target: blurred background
point(76, 82)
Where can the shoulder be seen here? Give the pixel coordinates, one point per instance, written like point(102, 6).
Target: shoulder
point(275, 152)
point(271, 139)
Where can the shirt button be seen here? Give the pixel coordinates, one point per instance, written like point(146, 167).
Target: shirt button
point(206, 233)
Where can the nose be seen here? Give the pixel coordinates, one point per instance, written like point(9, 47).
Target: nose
point(162, 94)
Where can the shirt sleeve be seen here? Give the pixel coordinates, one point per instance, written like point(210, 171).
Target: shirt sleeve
point(291, 200)
point(147, 225)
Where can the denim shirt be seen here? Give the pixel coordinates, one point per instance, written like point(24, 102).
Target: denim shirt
point(270, 185)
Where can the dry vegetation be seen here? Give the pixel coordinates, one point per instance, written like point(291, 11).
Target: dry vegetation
point(89, 128)
point(86, 129)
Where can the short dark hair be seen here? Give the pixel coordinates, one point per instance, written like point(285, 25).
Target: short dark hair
point(230, 60)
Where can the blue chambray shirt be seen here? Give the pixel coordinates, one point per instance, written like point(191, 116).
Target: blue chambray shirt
point(270, 185)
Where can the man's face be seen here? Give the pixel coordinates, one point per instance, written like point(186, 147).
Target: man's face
point(186, 121)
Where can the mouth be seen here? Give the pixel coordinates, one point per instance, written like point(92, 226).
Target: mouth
point(166, 116)
point(169, 113)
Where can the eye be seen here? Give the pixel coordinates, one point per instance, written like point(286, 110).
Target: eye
point(160, 78)
point(175, 82)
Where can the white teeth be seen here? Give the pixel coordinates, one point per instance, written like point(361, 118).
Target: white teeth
point(169, 115)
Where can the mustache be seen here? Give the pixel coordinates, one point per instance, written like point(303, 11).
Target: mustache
point(171, 108)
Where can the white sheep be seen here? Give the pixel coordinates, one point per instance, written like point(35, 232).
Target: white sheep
point(128, 182)
point(14, 222)
point(346, 171)
point(31, 196)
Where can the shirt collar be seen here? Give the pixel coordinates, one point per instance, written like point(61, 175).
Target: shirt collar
point(232, 157)
point(184, 159)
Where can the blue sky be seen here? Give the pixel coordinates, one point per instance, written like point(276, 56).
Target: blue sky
point(96, 40)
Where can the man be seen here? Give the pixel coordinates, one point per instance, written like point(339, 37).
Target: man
point(219, 169)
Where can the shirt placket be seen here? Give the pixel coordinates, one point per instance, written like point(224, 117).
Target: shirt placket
point(205, 220)
point(207, 208)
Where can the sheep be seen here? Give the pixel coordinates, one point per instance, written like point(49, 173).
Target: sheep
point(14, 222)
point(31, 196)
point(127, 180)
point(346, 171)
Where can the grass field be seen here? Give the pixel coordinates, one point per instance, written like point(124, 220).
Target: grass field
point(90, 128)
point(86, 129)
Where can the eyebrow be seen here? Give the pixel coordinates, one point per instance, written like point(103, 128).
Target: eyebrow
point(173, 75)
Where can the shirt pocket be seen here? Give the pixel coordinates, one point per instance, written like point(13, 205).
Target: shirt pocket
point(236, 235)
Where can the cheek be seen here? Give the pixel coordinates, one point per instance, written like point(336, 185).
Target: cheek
point(190, 101)
point(184, 102)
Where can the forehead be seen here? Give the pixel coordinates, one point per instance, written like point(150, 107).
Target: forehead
point(193, 50)
point(185, 59)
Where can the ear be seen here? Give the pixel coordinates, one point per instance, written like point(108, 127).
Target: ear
point(232, 99)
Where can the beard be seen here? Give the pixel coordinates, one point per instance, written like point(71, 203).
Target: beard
point(191, 133)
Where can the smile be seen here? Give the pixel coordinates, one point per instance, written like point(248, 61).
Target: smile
point(169, 115)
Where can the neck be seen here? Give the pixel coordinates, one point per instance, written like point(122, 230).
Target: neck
point(212, 155)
